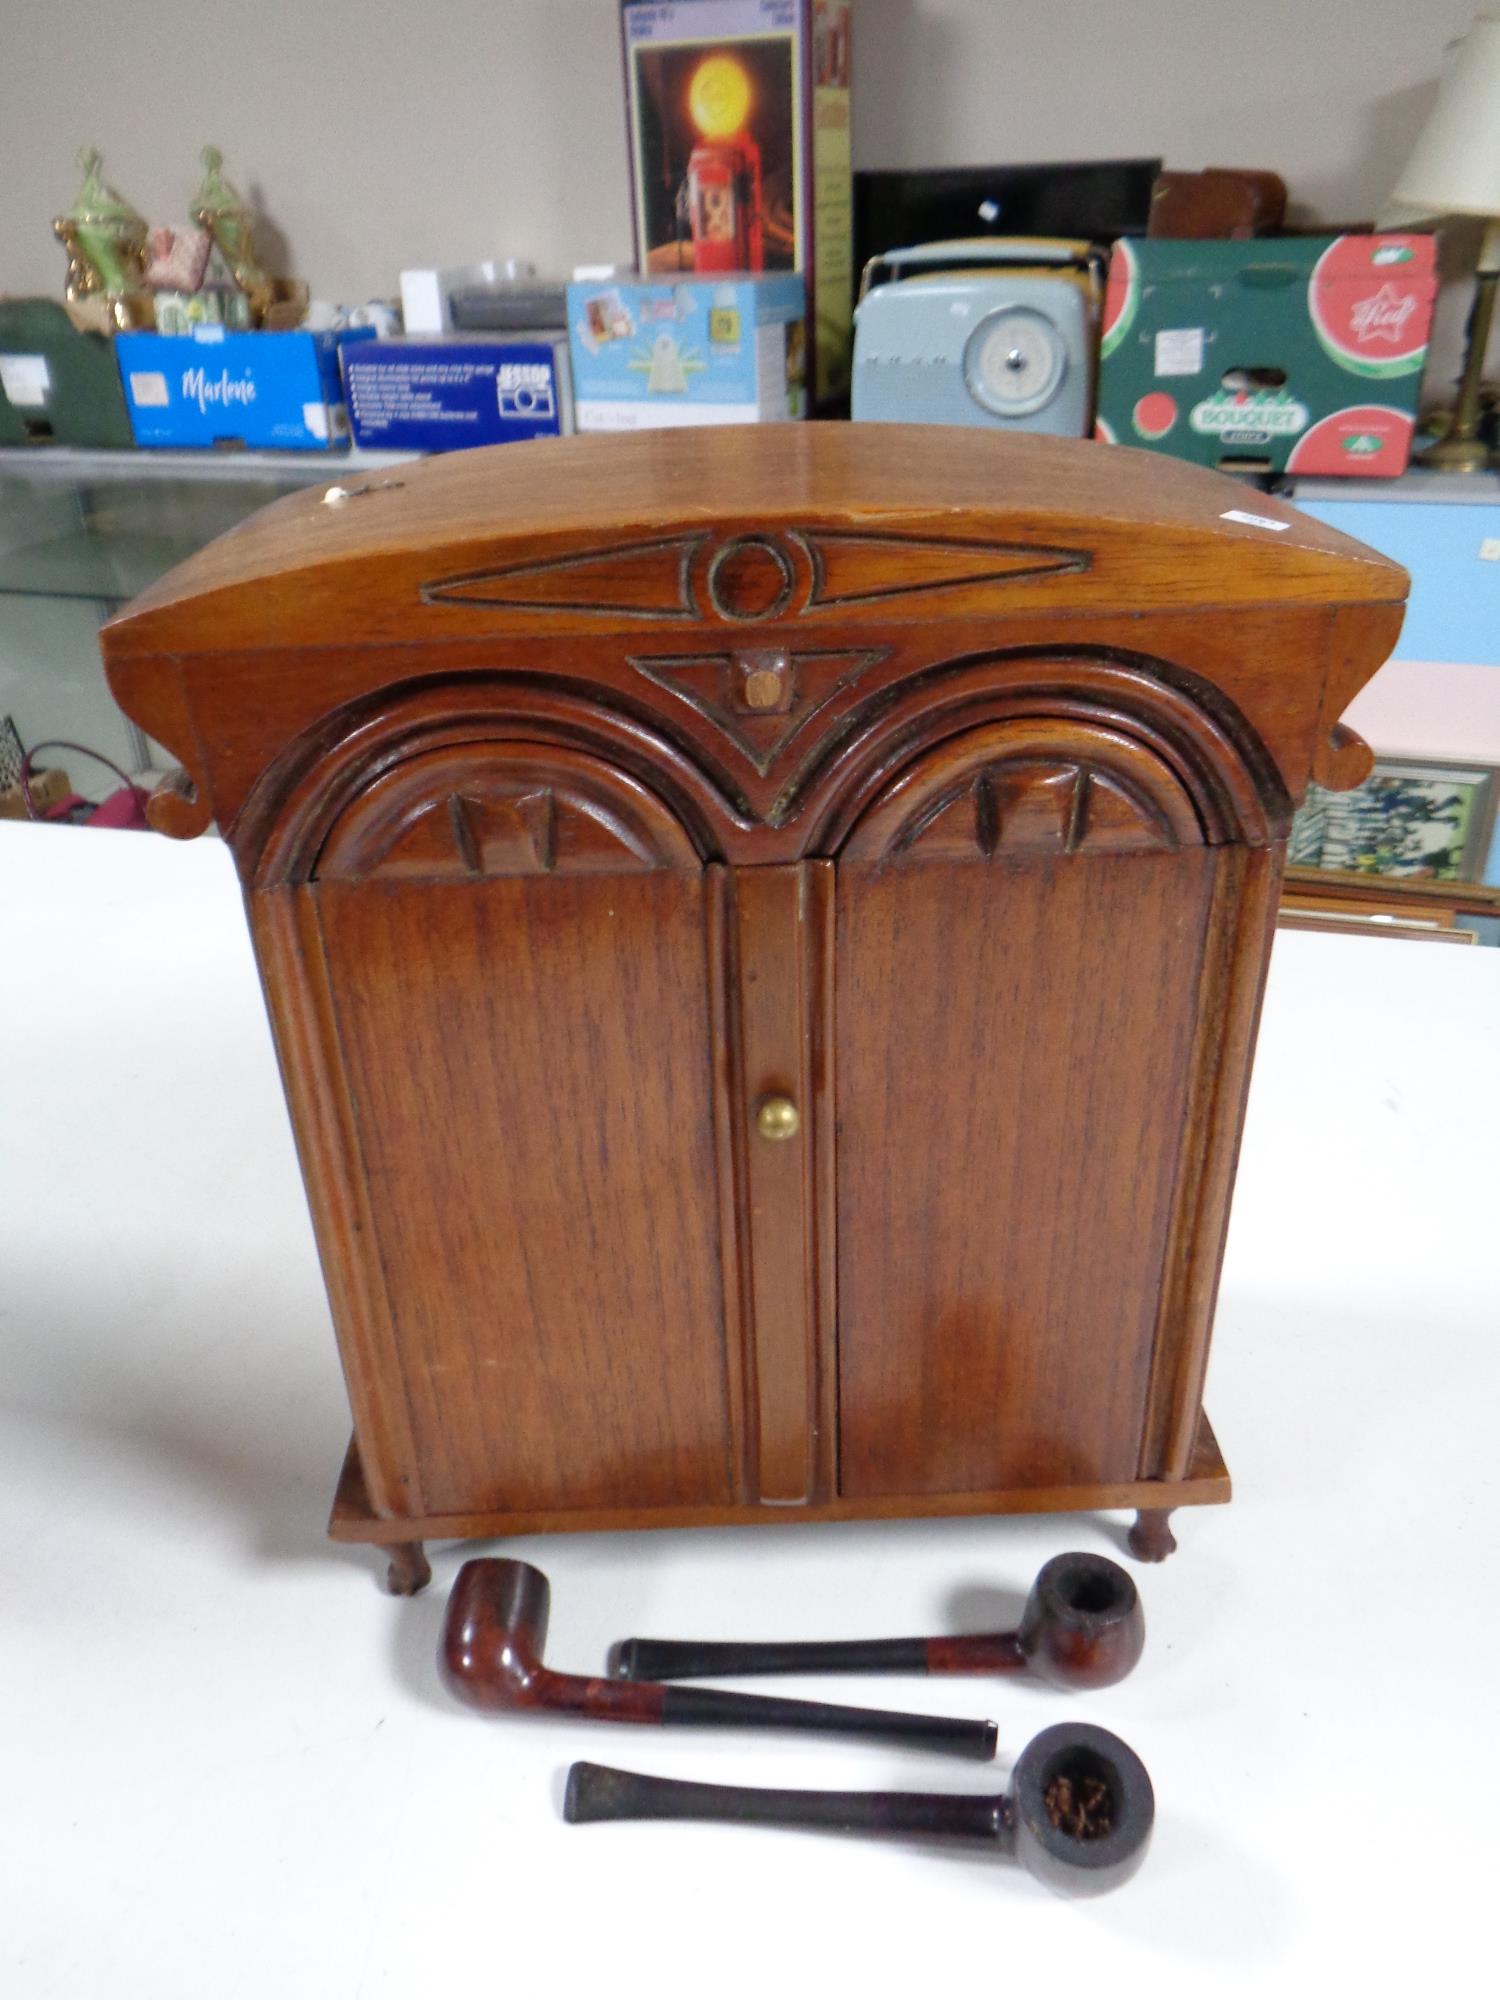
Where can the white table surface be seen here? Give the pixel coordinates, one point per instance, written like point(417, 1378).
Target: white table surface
point(227, 1768)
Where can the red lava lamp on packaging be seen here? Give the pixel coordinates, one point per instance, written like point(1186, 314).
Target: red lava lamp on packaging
point(739, 153)
point(724, 183)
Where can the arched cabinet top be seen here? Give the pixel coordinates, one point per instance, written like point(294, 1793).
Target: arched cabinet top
point(747, 592)
point(1014, 754)
point(745, 525)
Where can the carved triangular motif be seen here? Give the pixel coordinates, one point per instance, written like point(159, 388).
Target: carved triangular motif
point(505, 833)
point(1118, 820)
point(950, 830)
point(865, 568)
point(1036, 810)
point(1028, 808)
point(723, 686)
point(1042, 808)
point(633, 580)
point(537, 814)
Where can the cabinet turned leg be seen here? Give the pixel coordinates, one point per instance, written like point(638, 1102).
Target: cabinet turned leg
point(409, 1569)
point(1151, 1540)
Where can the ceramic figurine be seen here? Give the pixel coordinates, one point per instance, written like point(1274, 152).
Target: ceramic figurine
point(215, 301)
point(275, 303)
point(178, 259)
point(105, 240)
point(217, 207)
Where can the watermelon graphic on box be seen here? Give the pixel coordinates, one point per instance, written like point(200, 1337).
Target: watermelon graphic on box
point(1296, 353)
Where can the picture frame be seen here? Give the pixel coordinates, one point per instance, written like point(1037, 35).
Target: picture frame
point(1412, 819)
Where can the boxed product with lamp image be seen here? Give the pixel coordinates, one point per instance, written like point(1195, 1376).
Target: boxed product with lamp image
point(739, 152)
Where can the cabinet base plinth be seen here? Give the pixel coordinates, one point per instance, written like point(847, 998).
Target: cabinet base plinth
point(1205, 1483)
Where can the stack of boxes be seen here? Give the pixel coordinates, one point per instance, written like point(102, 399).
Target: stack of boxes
point(741, 192)
point(1265, 355)
point(738, 310)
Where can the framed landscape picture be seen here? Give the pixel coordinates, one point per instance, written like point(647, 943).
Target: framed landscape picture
point(1424, 822)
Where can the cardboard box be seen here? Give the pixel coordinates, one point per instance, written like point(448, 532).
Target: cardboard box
point(445, 395)
point(57, 385)
point(739, 152)
point(691, 352)
point(266, 391)
point(1277, 354)
point(48, 788)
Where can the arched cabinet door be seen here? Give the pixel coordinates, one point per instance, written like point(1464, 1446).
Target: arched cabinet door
point(1021, 918)
point(506, 945)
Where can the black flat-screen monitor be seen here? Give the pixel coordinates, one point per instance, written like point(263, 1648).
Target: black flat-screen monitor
point(1094, 199)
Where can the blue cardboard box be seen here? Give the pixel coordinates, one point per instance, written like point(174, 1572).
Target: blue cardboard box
point(269, 391)
point(687, 351)
point(444, 395)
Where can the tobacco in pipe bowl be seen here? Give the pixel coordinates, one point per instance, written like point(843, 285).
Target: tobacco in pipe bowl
point(1078, 1815)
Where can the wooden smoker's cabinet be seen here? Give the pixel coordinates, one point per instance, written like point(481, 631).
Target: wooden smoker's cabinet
point(764, 932)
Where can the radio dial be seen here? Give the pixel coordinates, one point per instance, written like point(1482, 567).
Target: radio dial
point(1014, 361)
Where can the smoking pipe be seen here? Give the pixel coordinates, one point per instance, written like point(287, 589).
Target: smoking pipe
point(490, 1656)
point(1078, 1813)
point(1083, 1627)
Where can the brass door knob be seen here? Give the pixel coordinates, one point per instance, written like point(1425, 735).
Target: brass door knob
point(777, 1118)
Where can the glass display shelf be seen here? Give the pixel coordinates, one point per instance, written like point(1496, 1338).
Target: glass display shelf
point(81, 533)
point(106, 569)
point(102, 525)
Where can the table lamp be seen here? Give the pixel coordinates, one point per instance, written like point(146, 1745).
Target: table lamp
point(1455, 170)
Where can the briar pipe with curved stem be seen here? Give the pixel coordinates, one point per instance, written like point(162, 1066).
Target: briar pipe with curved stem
point(1078, 1814)
point(1083, 1627)
point(490, 1656)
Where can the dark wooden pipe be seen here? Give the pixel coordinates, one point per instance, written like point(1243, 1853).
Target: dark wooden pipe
point(1078, 1813)
point(490, 1656)
point(1083, 1627)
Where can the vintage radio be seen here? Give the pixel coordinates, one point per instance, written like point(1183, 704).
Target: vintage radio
point(995, 333)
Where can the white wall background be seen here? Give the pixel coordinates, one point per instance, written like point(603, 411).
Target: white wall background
point(387, 132)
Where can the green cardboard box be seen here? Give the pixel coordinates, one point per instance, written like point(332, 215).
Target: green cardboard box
point(57, 385)
point(1275, 354)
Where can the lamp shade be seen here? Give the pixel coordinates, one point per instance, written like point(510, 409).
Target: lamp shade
point(1455, 166)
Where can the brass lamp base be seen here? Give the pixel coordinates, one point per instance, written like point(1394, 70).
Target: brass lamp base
point(1463, 449)
point(1455, 455)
